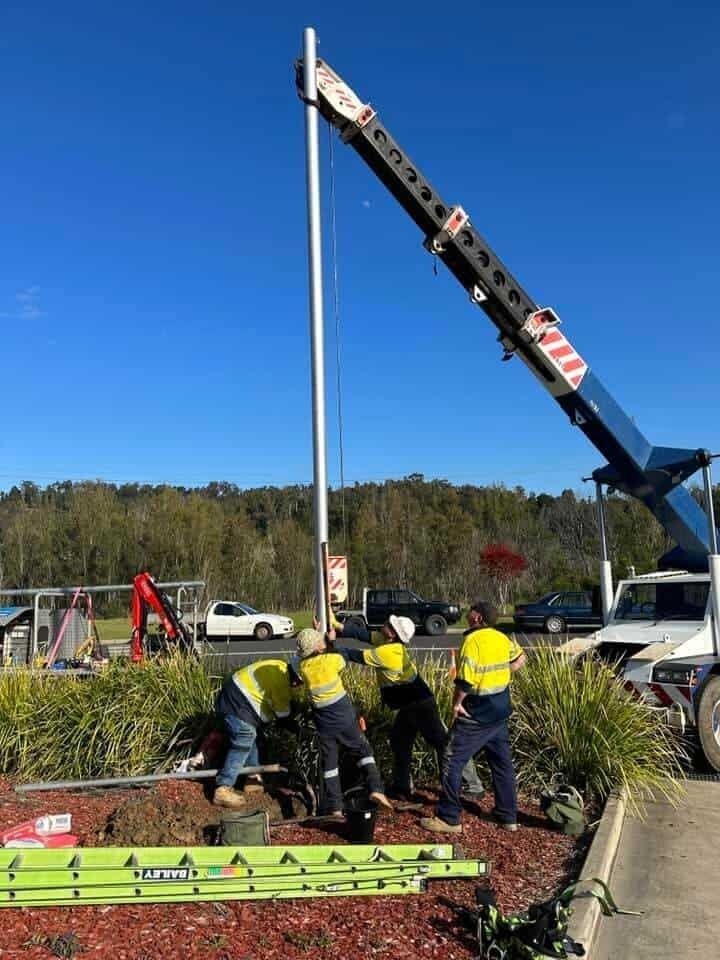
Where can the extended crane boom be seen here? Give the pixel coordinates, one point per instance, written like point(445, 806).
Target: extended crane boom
point(652, 474)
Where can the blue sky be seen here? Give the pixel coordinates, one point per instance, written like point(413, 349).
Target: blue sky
point(153, 280)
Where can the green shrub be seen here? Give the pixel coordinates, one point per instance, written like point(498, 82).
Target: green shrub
point(572, 722)
point(575, 722)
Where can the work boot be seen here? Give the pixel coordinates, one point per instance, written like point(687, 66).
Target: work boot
point(436, 825)
point(505, 825)
point(378, 797)
point(228, 797)
point(253, 784)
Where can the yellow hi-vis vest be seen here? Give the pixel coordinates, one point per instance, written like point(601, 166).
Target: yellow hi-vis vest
point(265, 684)
point(392, 663)
point(484, 660)
point(321, 675)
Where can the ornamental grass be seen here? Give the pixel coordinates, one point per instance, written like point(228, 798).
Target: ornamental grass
point(573, 723)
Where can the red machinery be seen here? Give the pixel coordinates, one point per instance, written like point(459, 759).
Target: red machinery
point(147, 597)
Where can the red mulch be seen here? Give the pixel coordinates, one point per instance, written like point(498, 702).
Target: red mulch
point(526, 866)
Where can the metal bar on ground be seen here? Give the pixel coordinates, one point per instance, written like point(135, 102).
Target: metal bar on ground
point(317, 330)
point(136, 781)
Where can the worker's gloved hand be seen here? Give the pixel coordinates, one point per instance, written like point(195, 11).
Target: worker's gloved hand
point(335, 623)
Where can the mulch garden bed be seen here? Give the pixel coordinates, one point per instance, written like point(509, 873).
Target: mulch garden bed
point(526, 866)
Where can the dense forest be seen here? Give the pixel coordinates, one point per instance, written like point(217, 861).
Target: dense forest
point(256, 544)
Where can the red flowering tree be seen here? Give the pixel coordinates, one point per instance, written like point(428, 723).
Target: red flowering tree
point(502, 566)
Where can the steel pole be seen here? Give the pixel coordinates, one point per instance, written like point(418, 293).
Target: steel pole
point(606, 588)
point(317, 332)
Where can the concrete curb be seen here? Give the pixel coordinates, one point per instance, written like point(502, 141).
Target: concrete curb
point(599, 863)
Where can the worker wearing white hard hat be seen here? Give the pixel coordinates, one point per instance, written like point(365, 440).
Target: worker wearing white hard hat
point(403, 690)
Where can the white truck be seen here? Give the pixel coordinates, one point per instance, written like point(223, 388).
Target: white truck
point(230, 620)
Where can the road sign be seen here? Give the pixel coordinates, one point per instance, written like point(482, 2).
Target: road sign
point(338, 579)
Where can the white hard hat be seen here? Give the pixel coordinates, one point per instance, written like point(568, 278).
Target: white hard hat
point(403, 627)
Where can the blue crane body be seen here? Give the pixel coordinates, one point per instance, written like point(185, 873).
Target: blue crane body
point(653, 474)
point(662, 629)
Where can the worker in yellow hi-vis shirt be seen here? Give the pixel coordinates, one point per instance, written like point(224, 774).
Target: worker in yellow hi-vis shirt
point(481, 709)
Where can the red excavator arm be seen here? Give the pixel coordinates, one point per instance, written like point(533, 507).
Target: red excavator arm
point(146, 597)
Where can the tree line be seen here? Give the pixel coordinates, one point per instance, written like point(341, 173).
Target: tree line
point(256, 545)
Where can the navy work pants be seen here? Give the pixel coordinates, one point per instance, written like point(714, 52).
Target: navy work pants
point(422, 717)
point(348, 736)
point(465, 740)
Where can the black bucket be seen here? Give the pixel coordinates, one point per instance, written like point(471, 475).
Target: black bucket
point(360, 816)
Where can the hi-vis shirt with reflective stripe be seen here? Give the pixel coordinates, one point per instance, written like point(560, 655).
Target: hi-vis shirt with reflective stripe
point(321, 675)
point(392, 663)
point(484, 661)
point(266, 687)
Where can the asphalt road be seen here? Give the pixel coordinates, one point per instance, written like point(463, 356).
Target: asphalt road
point(237, 652)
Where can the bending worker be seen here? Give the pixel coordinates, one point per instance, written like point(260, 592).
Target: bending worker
point(335, 719)
point(481, 709)
point(250, 699)
point(403, 689)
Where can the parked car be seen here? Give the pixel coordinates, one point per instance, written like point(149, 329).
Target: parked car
point(226, 619)
point(560, 610)
point(430, 616)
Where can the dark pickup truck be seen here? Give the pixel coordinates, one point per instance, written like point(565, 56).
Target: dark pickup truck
point(430, 616)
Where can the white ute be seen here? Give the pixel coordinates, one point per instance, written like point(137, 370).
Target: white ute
point(228, 619)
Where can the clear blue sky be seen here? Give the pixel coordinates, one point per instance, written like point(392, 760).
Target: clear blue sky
point(153, 285)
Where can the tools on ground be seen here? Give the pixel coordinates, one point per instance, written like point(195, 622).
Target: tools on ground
point(180, 874)
point(542, 931)
point(49, 831)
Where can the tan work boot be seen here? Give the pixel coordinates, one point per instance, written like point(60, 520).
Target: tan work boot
point(228, 797)
point(436, 825)
point(253, 784)
point(381, 800)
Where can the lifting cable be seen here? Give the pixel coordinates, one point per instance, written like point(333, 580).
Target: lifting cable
point(336, 308)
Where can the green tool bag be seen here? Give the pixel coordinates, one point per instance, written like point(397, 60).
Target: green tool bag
point(244, 829)
point(563, 806)
point(539, 932)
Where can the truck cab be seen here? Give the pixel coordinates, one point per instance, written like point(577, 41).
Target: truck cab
point(430, 616)
point(661, 636)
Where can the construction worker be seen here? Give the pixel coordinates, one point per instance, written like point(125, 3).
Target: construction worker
point(481, 709)
point(250, 699)
point(336, 720)
point(402, 689)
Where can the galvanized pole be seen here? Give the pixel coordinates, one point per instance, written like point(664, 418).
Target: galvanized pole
point(317, 330)
point(606, 588)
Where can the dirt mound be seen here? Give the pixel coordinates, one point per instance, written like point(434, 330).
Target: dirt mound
point(155, 820)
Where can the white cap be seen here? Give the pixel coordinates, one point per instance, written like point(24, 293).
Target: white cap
point(403, 627)
point(307, 642)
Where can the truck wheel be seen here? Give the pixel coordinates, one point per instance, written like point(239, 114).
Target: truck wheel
point(708, 722)
point(554, 624)
point(435, 625)
point(263, 632)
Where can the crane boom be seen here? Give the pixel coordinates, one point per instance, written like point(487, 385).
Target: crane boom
point(652, 474)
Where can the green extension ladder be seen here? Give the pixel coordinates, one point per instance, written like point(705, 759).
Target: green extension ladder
point(106, 875)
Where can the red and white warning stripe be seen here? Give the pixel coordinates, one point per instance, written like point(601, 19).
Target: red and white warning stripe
point(563, 357)
point(663, 695)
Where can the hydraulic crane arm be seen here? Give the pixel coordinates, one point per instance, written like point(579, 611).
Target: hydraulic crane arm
point(146, 597)
point(651, 474)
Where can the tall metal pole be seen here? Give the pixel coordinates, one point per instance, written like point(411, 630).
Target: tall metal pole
point(317, 330)
point(606, 588)
point(713, 558)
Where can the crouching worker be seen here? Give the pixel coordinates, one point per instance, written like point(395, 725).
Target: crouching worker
point(335, 719)
point(403, 690)
point(481, 709)
point(250, 699)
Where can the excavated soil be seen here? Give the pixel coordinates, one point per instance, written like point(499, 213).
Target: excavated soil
point(155, 820)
